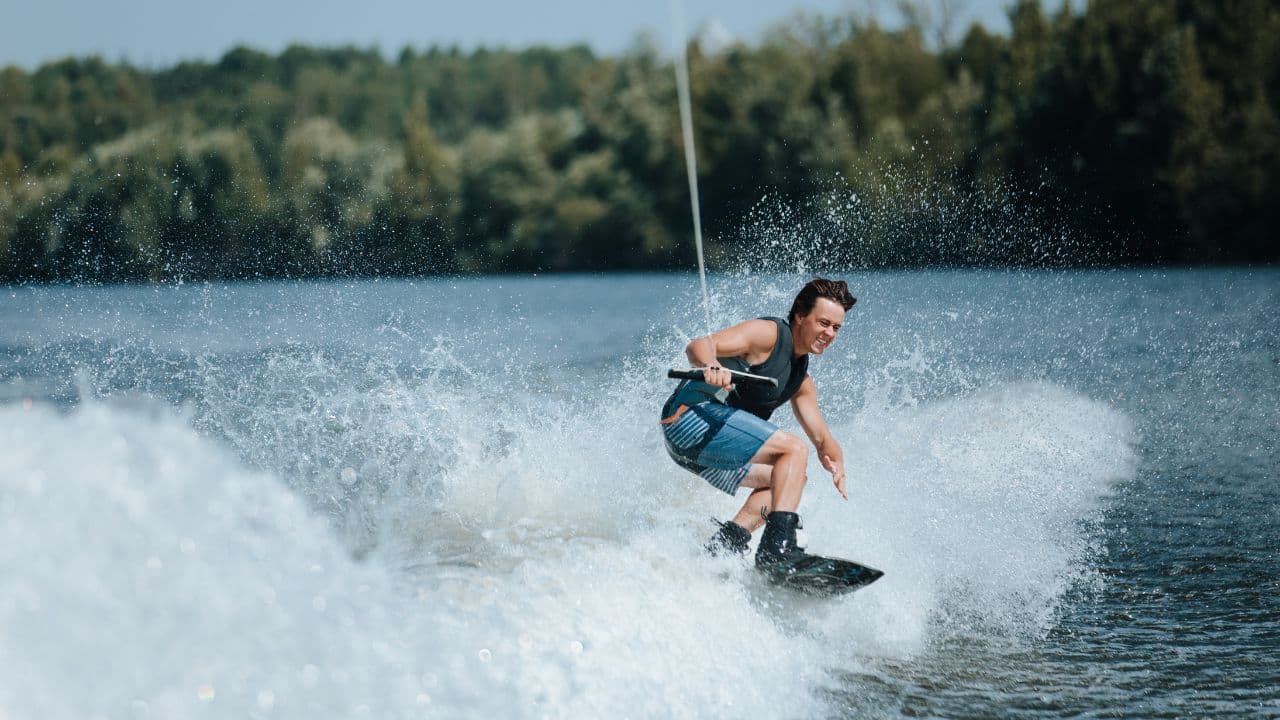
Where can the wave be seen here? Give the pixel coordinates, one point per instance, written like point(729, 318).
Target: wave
point(430, 544)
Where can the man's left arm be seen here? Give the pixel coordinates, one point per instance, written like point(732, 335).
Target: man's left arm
point(805, 405)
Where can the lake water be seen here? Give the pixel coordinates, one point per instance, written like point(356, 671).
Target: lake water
point(448, 498)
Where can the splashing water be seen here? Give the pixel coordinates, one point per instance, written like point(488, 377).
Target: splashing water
point(456, 521)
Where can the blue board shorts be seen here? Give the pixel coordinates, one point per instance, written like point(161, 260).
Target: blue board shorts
point(715, 442)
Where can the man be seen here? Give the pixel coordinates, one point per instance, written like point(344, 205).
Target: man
point(721, 432)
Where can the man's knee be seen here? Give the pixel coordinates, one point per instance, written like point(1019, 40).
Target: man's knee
point(796, 447)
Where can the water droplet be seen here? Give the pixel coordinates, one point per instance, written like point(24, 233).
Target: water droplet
point(485, 655)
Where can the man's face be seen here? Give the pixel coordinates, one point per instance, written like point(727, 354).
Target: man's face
point(816, 331)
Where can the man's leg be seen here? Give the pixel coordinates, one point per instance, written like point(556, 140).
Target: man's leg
point(786, 456)
point(735, 535)
point(775, 485)
point(776, 475)
point(753, 511)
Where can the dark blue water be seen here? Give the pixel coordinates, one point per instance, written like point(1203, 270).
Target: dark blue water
point(1070, 479)
point(1186, 620)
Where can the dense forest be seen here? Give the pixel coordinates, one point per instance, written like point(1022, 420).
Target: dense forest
point(1132, 132)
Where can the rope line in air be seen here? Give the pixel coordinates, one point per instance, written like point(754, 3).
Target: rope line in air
point(690, 159)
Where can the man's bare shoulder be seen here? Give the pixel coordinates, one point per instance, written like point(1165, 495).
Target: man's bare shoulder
point(760, 336)
point(759, 328)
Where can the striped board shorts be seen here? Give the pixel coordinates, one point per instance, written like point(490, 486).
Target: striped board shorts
point(715, 442)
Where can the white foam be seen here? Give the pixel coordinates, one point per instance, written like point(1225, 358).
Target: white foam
point(147, 575)
point(979, 507)
point(547, 565)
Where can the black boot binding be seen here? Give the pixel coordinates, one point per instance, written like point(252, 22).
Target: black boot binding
point(730, 538)
point(778, 554)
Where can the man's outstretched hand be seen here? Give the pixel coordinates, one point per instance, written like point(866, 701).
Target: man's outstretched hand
point(837, 474)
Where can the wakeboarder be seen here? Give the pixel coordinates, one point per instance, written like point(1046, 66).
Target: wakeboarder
point(721, 432)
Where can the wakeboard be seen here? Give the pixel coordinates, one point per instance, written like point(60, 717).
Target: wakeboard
point(825, 577)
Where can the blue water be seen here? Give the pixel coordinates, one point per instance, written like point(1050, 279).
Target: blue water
point(447, 498)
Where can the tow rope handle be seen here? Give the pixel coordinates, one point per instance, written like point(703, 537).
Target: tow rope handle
point(738, 376)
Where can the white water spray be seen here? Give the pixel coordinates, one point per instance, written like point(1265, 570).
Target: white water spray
point(479, 590)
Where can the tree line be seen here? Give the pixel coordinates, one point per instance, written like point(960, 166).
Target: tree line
point(1134, 132)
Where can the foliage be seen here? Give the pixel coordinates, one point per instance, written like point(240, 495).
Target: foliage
point(1136, 131)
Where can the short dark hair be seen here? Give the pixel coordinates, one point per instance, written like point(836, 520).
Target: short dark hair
point(836, 290)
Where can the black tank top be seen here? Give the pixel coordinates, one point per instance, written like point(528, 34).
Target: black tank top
point(781, 365)
point(759, 400)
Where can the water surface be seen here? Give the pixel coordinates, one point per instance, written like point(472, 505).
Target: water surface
point(448, 498)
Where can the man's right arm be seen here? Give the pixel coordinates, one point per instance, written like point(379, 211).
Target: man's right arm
point(752, 338)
